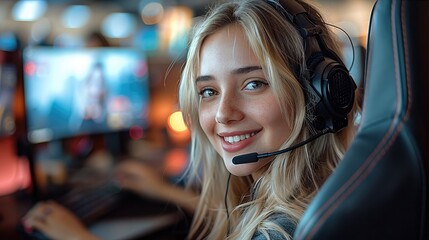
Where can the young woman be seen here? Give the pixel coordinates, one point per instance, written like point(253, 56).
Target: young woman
point(247, 87)
point(243, 90)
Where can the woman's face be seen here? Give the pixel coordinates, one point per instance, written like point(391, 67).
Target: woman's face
point(238, 110)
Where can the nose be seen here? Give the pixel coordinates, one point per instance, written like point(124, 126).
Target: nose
point(229, 110)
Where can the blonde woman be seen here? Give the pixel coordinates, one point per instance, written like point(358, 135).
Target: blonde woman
point(254, 82)
point(247, 87)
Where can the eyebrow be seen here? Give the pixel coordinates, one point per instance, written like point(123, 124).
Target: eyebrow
point(237, 71)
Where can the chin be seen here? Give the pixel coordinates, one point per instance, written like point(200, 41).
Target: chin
point(241, 169)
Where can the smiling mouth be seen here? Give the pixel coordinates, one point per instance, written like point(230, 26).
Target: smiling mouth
point(238, 138)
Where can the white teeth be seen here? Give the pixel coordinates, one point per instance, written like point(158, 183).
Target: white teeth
point(238, 138)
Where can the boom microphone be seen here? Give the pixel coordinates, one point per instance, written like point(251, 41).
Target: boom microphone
point(254, 157)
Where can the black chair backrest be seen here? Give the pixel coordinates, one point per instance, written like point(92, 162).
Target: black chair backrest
point(380, 189)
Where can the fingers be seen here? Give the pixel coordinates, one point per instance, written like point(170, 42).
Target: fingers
point(128, 172)
point(38, 216)
point(130, 182)
point(39, 211)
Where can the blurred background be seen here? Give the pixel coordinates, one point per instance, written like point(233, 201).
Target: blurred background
point(85, 83)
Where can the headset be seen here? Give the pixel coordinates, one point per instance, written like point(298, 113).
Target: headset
point(328, 81)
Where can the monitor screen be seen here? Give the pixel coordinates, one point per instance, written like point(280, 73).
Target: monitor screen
point(8, 76)
point(71, 92)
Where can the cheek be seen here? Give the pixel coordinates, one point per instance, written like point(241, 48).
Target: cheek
point(279, 120)
point(269, 112)
point(280, 134)
point(277, 124)
point(207, 120)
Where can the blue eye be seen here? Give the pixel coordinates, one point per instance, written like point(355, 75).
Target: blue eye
point(207, 92)
point(253, 85)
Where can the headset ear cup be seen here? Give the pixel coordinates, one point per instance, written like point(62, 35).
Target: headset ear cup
point(335, 87)
point(339, 90)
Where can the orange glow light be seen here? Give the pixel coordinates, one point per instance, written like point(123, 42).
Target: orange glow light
point(176, 123)
point(175, 162)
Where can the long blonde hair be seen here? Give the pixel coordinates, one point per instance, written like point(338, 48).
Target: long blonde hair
point(292, 179)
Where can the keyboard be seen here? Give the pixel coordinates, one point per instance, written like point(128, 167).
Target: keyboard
point(87, 203)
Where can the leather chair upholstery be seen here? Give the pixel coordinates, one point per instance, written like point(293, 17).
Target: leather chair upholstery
point(380, 189)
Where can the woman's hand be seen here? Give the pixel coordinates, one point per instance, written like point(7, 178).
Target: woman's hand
point(56, 222)
point(149, 182)
point(141, 178)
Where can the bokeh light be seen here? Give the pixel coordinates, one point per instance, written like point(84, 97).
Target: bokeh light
point(176, 123)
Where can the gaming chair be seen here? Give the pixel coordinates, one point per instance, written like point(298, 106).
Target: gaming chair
point(380, 189)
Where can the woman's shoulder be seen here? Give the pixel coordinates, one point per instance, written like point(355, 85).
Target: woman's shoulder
point(281, 220)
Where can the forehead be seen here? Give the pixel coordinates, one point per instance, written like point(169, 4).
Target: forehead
point(228, 48)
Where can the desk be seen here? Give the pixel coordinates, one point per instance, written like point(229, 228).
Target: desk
point(136, 218)
point(128, 228)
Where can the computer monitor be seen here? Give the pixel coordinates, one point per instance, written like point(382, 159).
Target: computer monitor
point(8, 78)
point(71, 92)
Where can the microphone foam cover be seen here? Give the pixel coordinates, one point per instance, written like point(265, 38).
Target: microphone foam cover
point(246, 158)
